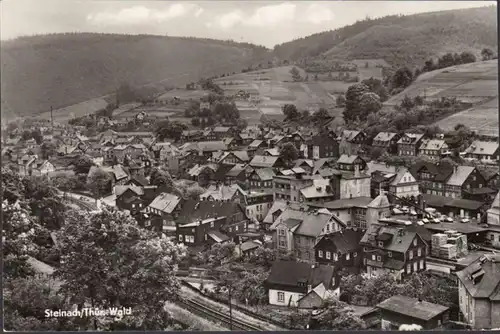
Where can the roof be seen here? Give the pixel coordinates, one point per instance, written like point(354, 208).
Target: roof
point(195, 210)
point(317, 189)
point(412, 307)
point(249, 245)
point(197, 169)
point(311, 225)
point(217, 236)
point(165, 202)
point(381, 201)
point(385, 136)
point(292, 273)
point(140, 179)
point(345, 241)
point(396, 243)
point(374, 166)
point(347, 159)
point(119, 190)
point(456, 226)
point(433, 144)
point(483, 147)
point(236, 170)
point(437, 201)
point(223, 193)
point(265, 174)
point(221, 129)
point(460, 175)
point(350, 135)
point(401, 172)
point(359, 202)
point(255, 143)
point(415, 137)
point(273, 152)
point(487, 285)
point(277, 205)
point(205, 146)
point(263, 161)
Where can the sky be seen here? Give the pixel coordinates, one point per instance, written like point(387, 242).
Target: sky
point(260, 22)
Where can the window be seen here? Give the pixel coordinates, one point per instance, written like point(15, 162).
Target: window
point(379, 258)
point(348, 256)
point(180, 237)
point(320, 253)
point(328, 255)
point(281, 297)
point(408, 268)
point(415, 242)
point(410, 254)
point(380, 243)
point(133, 206)
point(335, 257)
point(419, 251)
point(422, 265)
point(389, 254)
point(373, 257)
point(282, 232)
point(415, 266)
point(355, 254)
point(282, 243)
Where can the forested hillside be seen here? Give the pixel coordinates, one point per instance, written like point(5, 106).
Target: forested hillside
point(401, 40)
point(63, 69)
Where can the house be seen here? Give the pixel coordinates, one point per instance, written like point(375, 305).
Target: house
point(257, 204)
point(202, 173)
point(256, 144)
point(433, 148)
point(351, 185)
point(271, 152)
point(409, 144)
point(222, 193)
point(351, 142)
point(163, 151)
point(191, 135)
point(351, 211)
point(43, 167)
point(455, 207)
point(341, 249)
point(393, 249)
point(202, 232)
point(299, 284)
point(402, 310)
point(483, 150)
point(463, 179)
point(479, 293)
point(349, 163)
point(129, 198)
point(219, 132)
point(404, 185)
point(262, 161)
point(273, 213)
point(381, 181)
point(163, 211)
point(237, 173)
point(249, 247)
point(321, 146)
point(287, 184)
point(431, 177)
point(297, 230)
point(386, 142)
point(493, 221)
point(233, 158)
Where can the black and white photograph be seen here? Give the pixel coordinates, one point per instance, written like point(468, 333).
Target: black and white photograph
point(249, 165)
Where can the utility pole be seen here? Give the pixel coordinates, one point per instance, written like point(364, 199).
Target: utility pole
point(52, 118)
point(230, 309)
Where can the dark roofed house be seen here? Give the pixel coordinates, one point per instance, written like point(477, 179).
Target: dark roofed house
point(300, 284)
point(261, 161)
point(401, 310)
point(409, 143)
point(386, 141)
point(351, 142)
point(479, 292)
point(342, 249)
point(162, 212)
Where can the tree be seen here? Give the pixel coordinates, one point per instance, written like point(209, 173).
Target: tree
point(353, 97)
point(167, 129)
point(487, 54)
point(369, 104)
point(295, 74)
point(402, 78)
point(467, 57)
point(82, 164)
point(162, 179)
point(37, 136)
point(320, 116)
point(205, 176)
point(289, 153)
point(290, 111)
point(99, 183)
point(217, 254)
point(340, 101)
point(125, 94)
point(376, 86)
point(109, 260)
point(194, 192)
point(305, 115)
point(195, 121)
point(407, 103)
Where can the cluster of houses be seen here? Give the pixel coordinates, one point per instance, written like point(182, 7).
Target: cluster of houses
point(332, 208)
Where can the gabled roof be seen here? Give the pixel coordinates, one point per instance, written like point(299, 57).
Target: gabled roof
point(460, 175)
point(263, 161)
point(381, 201)
point(197, 169)
point(236, 170)
point(311, 225)
point(483, 147)
point(292, 273)
point(350, 135)
point(347, 159)
point(398, 243)
point(120, 190)
point(274, 152)
point(165, 202)
point(401, 171)
point(412, 307)
point(385, 136)
point(256, 143)
point(433, 144)
point(345, 241)
point(265, 174)
point(199, 210)
point(320, 188)
point(414, 138)
point(277, 205)
point(487, 285)
point(222, 193)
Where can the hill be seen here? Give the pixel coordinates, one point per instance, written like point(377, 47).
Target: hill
point(398, 39)
point(60, 70)
point(476, 83)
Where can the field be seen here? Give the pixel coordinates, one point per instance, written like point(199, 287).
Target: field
point(183, 94)
point(76, 110)
point(476, 83)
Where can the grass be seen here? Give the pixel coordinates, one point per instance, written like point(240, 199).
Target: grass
point(195, 322)
point(183, 94)
point(61, 70)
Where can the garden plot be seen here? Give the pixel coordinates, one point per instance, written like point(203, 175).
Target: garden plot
point(183, 94)
point(370, 72)
point(335, 86)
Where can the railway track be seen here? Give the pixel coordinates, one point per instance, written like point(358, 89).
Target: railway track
point(211, 314)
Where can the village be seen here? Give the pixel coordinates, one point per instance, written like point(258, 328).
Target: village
point(307, 205)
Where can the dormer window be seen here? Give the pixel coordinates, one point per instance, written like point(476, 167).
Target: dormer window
point(414, 242)
point(389, 254)
point(381, 244)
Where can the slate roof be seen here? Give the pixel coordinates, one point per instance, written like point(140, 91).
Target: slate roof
point(263, 161)
point(195, 210)
point(347, 203)
point(347, 159)
point(483, 147)
point(265, 174)
point(385, 136)
point(412, 307)
point(433, 144)
point(277, 205)
point(350, 135)
point(345, 241)
point(291, 273)
point(317, 190)
point(311, 225)
point(165, 202)
point(398, 243)
point(460, 175)
point(415, 137)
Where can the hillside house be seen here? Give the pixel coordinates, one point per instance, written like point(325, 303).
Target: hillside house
point(261, 161)
point(298, 284)
point(341, 249)
point(351, 142)
point(297, 230)
point(404, 184)
point(352, 211)
point(320, 191)
point(386, 142)
point(163, 211)
point(232, 158)
point(274, 212)
point(130, 198)
point(350, 163)
point(482, 150)
point(257, 204)
point(463, 179)
point(392, 249)
point(321, 146)
point(479, 293)
point(433, 148)
point(219, 133)
point(237, 173)
point(288, 183)
point(402, 310)
point(409, 144)
point(262, 178)
point(432, 177)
